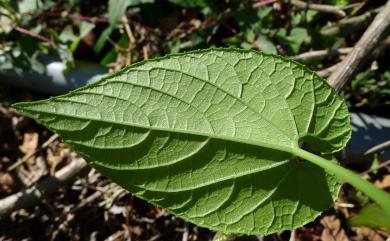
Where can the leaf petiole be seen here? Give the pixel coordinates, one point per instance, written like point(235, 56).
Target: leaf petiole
point(378, 195)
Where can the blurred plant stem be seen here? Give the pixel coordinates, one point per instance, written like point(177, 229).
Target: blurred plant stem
point(219, 236)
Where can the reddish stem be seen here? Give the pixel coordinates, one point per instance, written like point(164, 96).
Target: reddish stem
point(262, 3)
point(77, 17)
point(34, 35)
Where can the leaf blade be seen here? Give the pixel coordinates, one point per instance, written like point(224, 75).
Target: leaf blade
point(181, 131)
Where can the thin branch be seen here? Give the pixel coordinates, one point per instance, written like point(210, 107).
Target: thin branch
point(28, 156)
point(33, 195)
point(262, 3)
point(324, 73)
point(351, 25)
point(304, 5)
point(185, 232)
point(34, 35)
point(344, 205)
point(77, 17)
point(311, 56)
point(384, 164)
point(319, 7)
point(292, 235)
point(378, 148)
point(223, 237)
point(145, 52)
point(125, 22)
point(364, 47)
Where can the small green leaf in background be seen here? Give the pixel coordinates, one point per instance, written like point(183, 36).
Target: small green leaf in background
point(85, 28)
point(6, 21)
point(295, 39)
point(26, 6)
point(372, 216)
point(370, 88)
point(116, 10)
point(265, 44)
point(209, 135)
point(173, 46)
point(112, 54)
point(139, 2)
point(300, 17)
point(102, 39)
point(364, 80)
point(189, 3)
point(386, 74)
point(67, 35)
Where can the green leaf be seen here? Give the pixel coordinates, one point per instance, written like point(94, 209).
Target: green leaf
point(372, 216)
point(189, 3)
point(116, 10)
point(295, 39)
point(67, 35)
point(386, 74)
point(112, 54)
point(139, 2)
point(102, 39)
point(208, 135)
point(26, 6)
point(85, 28)
point(265, 44)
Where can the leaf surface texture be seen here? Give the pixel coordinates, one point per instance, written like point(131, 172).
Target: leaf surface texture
point(208, 135)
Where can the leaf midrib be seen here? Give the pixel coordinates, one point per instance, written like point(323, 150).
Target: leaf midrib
point(288, 149)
